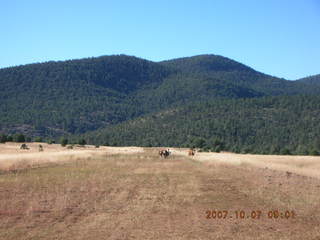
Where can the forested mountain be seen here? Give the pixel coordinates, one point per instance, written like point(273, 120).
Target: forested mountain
point(57, 98)
point(63, 98)
point(313, 80)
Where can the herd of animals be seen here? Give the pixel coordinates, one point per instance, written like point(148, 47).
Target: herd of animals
point(25, 147)
point(166, 152)
point(162, 153)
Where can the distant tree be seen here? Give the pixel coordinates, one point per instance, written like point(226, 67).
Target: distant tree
point(114, 143)
point(302, 150)
point(216, 148)
point(19, 138)
point(217, 145)
point(199, 142)
point(82, 141)
point(9, 138)
point(314, 152)
point(3, 138)
point(275, 149)
point(246, 150)
point(63, 141)
point(285, 151)
point(50, 141)
point(38, 139)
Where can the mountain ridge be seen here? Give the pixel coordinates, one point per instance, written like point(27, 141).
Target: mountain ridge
point(76, 96)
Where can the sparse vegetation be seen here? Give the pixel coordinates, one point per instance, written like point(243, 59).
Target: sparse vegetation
point(80, 198)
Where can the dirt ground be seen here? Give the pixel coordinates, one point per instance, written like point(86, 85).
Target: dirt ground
point(132, 193)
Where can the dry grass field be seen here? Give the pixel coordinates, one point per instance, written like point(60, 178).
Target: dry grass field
point(132, 193)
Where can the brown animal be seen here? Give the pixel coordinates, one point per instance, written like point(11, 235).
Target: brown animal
point(191, 152)
point(40, 148)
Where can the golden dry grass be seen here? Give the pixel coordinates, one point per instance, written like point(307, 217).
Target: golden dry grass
point(13, 158)
point(111, 195)
point(302, 165)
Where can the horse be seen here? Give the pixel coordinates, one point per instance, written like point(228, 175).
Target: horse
point(164, 153)
point(24, 146)
point(191, 152)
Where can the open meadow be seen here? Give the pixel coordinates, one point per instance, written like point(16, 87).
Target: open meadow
point(132, 193)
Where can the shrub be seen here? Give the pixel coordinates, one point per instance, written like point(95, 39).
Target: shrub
point(3, 138)
point(205, 149)
point(285, 151)
point(38, 139)
point(63, 142)
point(216, 149)
point(246, 150)
point(19, 138)
point(50, 141)
point(199, 142)
point(314, 152)
point(9, 138)
point(82, 142)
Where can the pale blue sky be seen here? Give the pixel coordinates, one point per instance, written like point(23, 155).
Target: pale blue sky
point(277, 37)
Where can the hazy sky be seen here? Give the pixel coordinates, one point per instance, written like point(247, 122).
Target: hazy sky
point(277, 37)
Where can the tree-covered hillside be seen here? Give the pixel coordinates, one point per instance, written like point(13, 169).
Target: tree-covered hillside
point(286, 124)
point(55, 99)
point(75, 96)
point(312, 80)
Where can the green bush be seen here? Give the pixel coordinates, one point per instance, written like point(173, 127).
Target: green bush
point(38, 139)
point(216, 148)
point(63, 142)
point(285, 151)
point(50, 141)
point(82, 142)
point(314, 152)
point(9, 138)
point(3, 138)
point(19, 138)
point(206, 149)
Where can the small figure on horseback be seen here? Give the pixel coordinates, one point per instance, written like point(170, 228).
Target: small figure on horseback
point(24, 146)
point(40, 148)
point(164, 153)
point(191, 152)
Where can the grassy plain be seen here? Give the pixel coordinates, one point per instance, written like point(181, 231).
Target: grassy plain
point(132, 193)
